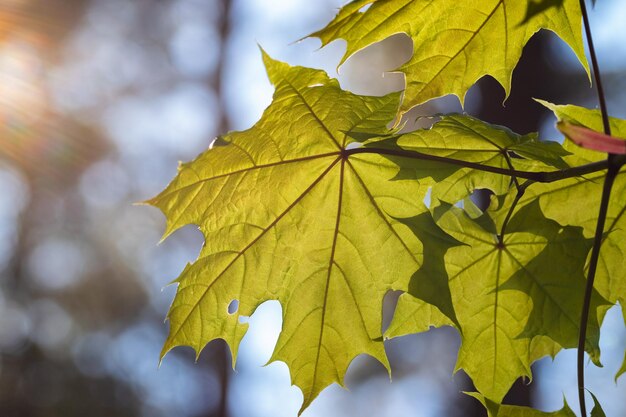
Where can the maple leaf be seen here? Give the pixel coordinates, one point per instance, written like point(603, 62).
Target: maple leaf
point(289, 214)
point(512, 307)
point(455, 42)
point(304, 206)
point(427, 301)
point(555, 200)
point(481, 146)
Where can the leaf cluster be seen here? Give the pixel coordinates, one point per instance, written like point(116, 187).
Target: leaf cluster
point(323, 207)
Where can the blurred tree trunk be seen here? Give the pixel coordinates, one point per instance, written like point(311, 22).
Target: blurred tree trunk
point(222, 357)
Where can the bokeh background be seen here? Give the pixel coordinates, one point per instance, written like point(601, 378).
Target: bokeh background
point(99, 100)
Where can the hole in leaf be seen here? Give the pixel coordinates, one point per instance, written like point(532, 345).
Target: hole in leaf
point(364, 8)
point(353, 145)
point(427, 200)
point(233, 306)
point(481, 197)
point(389, 306)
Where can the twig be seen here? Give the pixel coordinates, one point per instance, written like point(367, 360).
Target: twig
point(614, 163)
point(539, 176)
point(520, 193)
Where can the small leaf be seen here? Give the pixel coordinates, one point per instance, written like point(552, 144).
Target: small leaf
point(497, 410)
point(590, 139)
point(548, 152)
point(597, 410)
point(556, 200)
point(622, 370)
point(589, 118)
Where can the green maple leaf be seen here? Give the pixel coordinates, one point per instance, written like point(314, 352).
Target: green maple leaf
point(498, 410)
point(555, 200)
point(501, 292)
point(293, 210)
point(467, 139)
point(455, 42)
point(289, 214)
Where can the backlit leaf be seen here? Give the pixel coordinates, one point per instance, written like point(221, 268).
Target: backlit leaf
point(500, 294)
point(468, 139)
point(556, 201)
point(455, 42)
point(289, 214)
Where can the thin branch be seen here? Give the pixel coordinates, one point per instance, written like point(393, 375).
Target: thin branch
point(591, 274)
point(521, 189)
point(596, 70)
point(510, 164)
point(540, 176)
point(615, 163)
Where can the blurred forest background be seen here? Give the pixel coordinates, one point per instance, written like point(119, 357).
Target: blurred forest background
point(99, 100)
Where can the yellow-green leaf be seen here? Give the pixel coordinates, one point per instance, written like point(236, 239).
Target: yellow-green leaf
point(290, 214)
point(455, 42)
point(497, 410)
point(556, 201)
point(467, 139)
point(500, 291)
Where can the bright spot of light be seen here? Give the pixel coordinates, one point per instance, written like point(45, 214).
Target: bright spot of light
point(194, 49)
point(178, 387)
point(15, 326)
point(105, 184)
point(140, 124)
point(51, 324)
point(57, 263)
